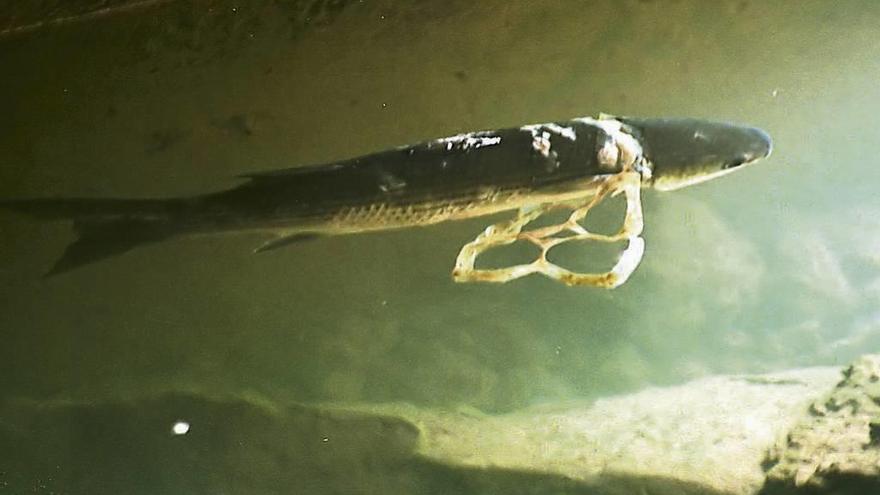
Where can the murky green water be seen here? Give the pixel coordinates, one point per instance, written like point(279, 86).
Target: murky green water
point(775, 267)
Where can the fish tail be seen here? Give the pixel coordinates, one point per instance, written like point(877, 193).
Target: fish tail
point(104, 227)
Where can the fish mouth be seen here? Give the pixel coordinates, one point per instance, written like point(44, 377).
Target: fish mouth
point(672, 182)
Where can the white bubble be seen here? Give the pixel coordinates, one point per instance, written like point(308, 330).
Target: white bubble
point(180, 428)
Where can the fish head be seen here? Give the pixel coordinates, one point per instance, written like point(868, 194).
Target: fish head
point(684, 152)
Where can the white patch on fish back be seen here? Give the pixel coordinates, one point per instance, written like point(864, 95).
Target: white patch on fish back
point(629, 149)
point(541, 143)
point(566, 132)
point(471, 140)
point(608, 154)
point(541, 136)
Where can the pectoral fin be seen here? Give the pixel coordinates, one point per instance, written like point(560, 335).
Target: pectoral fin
point(286, 240)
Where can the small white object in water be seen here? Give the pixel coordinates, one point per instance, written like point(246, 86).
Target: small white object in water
point(180, 428)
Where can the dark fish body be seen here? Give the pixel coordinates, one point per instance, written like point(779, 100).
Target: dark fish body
point(445, 179)
point(453, 178)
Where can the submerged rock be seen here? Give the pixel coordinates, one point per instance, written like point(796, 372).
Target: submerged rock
point(835, 448)
point(708, 436)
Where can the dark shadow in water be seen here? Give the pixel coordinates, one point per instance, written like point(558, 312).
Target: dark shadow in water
point(842, 484)
point(445, 479)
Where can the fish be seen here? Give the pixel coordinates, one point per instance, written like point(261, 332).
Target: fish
point(459, 177)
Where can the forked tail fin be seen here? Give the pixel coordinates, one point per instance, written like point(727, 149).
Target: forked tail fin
point(104, 227)
point(99, 239)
